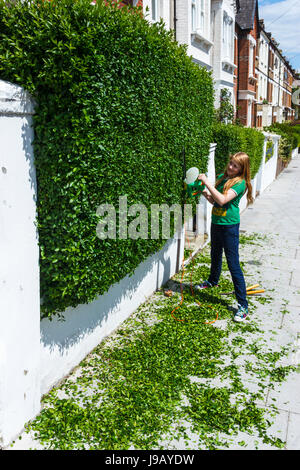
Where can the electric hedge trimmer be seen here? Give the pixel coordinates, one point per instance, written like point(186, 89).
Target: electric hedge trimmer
point(192, 186)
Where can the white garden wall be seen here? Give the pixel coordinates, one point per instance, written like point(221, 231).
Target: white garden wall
point(19, 267)
point(204, 208)
point(267, 171)
point(295, 152)
point(243, 202)
point(65, 344)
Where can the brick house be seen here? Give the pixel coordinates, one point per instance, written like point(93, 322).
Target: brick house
point(246, 30)
point(296, 101)
point(223, 13)
point(275, 80)
point(228, 38)
point(207, 28)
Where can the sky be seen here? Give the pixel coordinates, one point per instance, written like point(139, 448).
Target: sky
point(282, 19)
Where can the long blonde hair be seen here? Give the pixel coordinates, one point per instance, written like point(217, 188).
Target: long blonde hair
point(242, 159)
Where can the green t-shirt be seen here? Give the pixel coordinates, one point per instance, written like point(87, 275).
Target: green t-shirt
point(228, 214)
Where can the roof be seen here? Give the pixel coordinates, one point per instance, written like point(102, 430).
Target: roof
point(245, 16)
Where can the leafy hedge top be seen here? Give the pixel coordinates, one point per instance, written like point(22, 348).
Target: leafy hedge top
point(291, 132)
point(117, 101)
point(231, 139)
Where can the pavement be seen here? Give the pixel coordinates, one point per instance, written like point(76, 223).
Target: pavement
point(276, 213)
point(274, 263)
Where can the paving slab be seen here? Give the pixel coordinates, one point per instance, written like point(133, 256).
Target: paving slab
point(278, 429)
point(295, 279)
point(293, 435)
point(291, 319)
point(287, 394)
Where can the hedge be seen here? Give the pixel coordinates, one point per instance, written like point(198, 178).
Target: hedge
point(231, 138)
point(290, 138)
point(117, 100)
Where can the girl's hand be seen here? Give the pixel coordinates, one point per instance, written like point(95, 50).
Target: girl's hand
point(202, 177)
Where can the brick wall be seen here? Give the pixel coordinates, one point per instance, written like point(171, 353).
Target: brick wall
point(130, 2)
point(246, 82)
point(243, 111)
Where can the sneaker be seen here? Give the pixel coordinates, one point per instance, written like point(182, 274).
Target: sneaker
point(241, 314)
point(205, 285)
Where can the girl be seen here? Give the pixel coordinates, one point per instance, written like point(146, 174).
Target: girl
point(225, 197)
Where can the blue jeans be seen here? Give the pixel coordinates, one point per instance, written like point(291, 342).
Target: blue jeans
point(227, 237)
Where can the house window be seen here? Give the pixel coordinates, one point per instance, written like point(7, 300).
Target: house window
point(194, 15)
point(227, 36)
point(251, 60)
point(265, 89)
point(154, 8)
point(266, 55)
point(249, 113)
point(231, 33)
point(258, 88)
point(133, 3)
point(198, 15)
point(201, 15)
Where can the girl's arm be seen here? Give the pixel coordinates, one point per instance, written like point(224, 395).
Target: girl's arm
point(220, 198)
point(208, 197)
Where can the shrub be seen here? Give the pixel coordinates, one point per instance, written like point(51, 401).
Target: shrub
point(118, 99)
point(290, 137)
point(225, 113)
point(285, 148)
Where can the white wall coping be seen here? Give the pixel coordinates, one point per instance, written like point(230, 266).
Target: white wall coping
point(274, 136)
point(15, 100)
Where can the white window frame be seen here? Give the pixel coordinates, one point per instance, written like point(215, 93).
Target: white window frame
point(228, 37)
point(154, 10)
point(251, 60)
point(194, 14)
point(249, 112)
point(198, 16)
point(201, 15)
point(252, 44)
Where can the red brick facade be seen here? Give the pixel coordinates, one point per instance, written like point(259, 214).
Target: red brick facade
point(130, 2)
point(246, 80)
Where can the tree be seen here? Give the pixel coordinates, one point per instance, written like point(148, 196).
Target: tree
point(225, 113)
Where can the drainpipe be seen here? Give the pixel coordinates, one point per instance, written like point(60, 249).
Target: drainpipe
point(238, 74)
point(268, 78)
point(179, 242)
point(175, 19)
point(279, 88)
